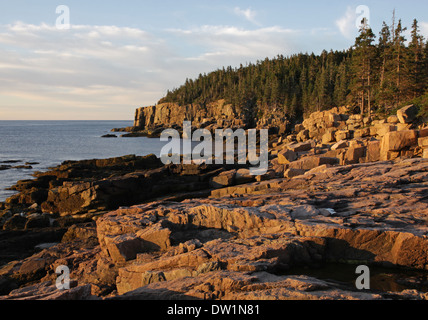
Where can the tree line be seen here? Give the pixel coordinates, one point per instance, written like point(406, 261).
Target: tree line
point(372, 76)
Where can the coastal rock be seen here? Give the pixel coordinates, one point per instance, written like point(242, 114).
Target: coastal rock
point(340, 145)
point(311, 162)
point(224, 179)
point(229, 285)
point(132, 228)
point(153, 119)
point(300, 147)
point(17, 222)
point(235, 246)
point(286, 156)
point(49, 291)
point(396, 141)
point(407, 114)
point(291, 173)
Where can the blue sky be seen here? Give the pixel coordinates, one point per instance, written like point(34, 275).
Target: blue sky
point(120, 55)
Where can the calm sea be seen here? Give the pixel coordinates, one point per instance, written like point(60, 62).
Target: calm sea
point(49, 143)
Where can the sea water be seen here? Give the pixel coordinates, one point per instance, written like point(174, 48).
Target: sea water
point(49, 143)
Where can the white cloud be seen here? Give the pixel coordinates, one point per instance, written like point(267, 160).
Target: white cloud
point(90, 67)
point(105, 72)
point(346, 24)
point(232, 45)
point(248, 14)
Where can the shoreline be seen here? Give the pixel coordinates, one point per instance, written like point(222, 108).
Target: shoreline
point(133, 228)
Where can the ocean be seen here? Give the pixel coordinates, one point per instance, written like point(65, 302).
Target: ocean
point(49, 143)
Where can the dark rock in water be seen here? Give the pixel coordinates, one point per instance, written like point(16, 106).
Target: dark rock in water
point(11, 161)
point(31, 163)
point(127, 129)
point(37, 191)
point(23, 167)
point(135, 135)
point(109, 136)
point(5, 167)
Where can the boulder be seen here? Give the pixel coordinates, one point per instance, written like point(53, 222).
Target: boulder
point(311, 162)
point(393, 119)
point(290, 173)
point(299, 127)
point(373, 151)
point(303, 135)
point(340, 145)
point(37, 221)
point(342, 135)
point(286, 156)
point(383, 128)
point(328, 137)
point(16, 222)
point(407, 114)
point(304, 212)
point(354, 154)
point(155, 238)
point(361, 133)
point(243, 176)
point(403, 126)
point(319, 169)
point(398, 140)
point(301, 147)
point(224, 179)
point(32, 269)
point(331, 119)
point(123, 248)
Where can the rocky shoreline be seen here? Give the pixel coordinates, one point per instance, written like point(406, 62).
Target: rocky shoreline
point(340, 189)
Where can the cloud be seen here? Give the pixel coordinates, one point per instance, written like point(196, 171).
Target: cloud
point(105, 72)
point(232, 45)
point(248, 14)
point(346, 23)
point(90, 67)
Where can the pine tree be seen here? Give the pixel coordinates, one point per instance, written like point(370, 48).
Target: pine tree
point(384, 54)
point(367, 75)
point(399, 59)
point(341, 85)
point(362, 67)
point(416, 63)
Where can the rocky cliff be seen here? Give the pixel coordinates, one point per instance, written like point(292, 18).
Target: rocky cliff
point(152, 120)
point(169, 114)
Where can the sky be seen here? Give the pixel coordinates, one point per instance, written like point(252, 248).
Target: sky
point(100, 60)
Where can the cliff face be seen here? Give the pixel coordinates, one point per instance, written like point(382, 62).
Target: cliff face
point(214, 115)
point(169, 114)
